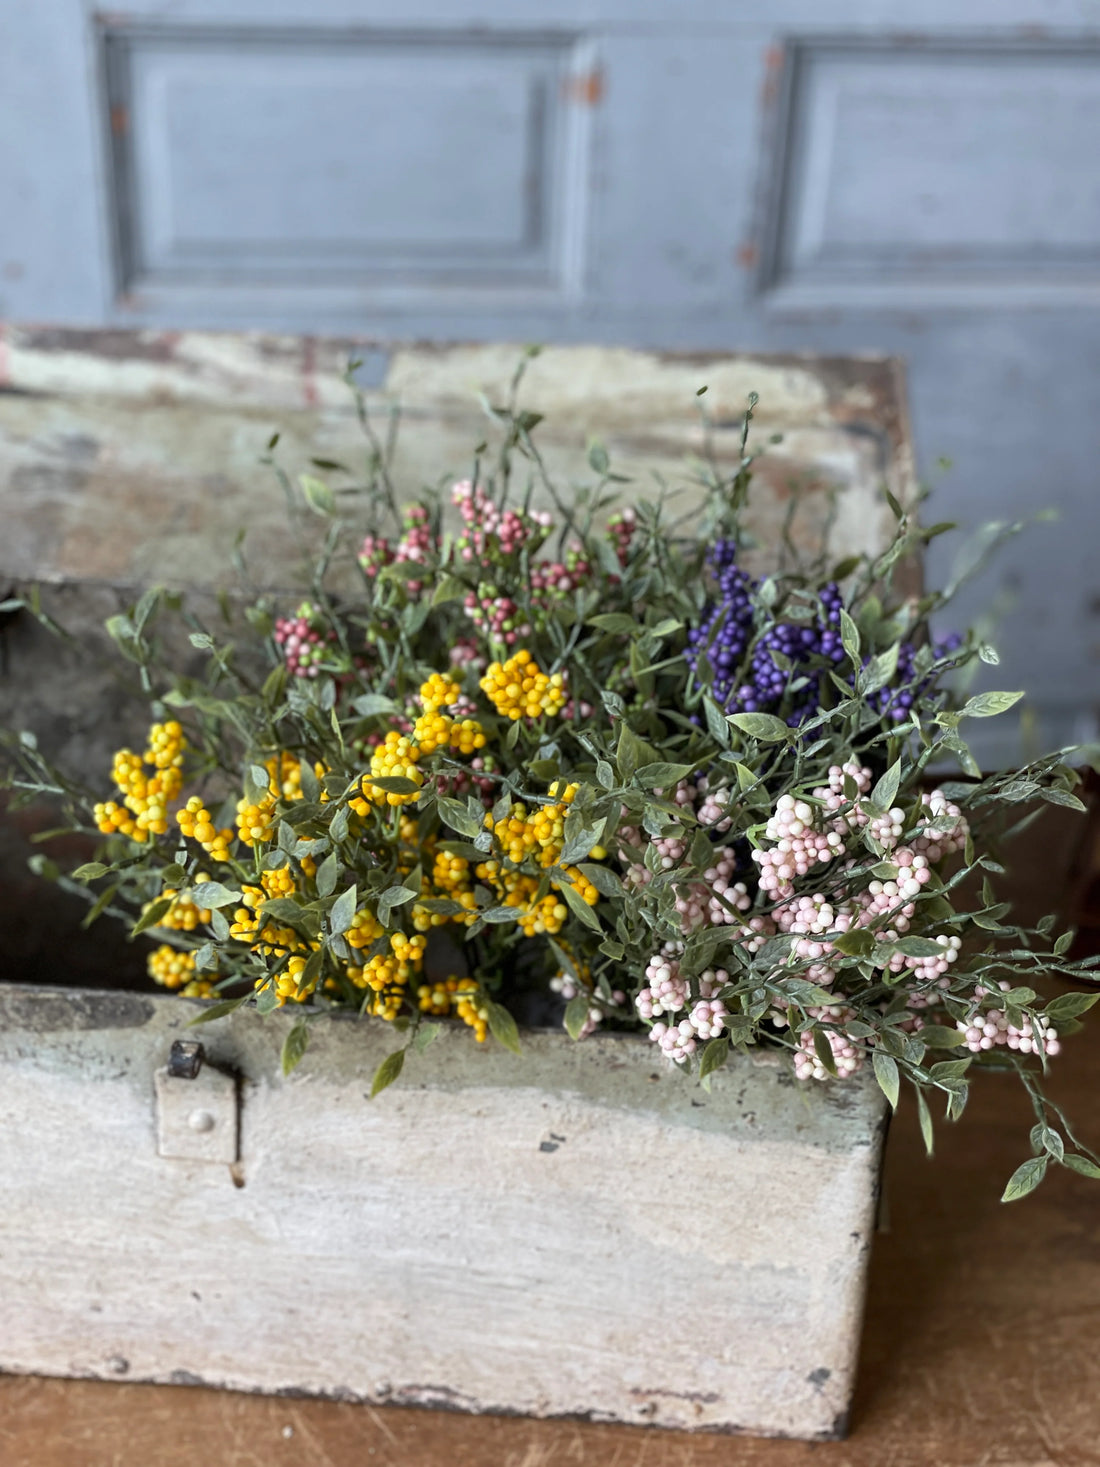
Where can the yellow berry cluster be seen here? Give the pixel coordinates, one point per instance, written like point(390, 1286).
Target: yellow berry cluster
point(450, 878)
point(460, 994)
point(195, 822)
point(539, 834)
point(395, 758)
point(518, 689)
point(145, 795)
point(365, 928)
point(184, 915)
point(255, 822)
point(438, 692)
point(170, 967)
point(288, 983)
point(387, 974)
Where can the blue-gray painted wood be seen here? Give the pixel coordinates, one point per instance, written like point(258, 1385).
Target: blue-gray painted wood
point(910, 176)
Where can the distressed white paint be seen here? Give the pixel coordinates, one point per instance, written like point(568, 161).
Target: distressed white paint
point(197, 1118)
point(580, 1230)
point(164, 432)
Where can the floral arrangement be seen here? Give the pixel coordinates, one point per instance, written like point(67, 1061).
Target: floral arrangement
point(580, 767)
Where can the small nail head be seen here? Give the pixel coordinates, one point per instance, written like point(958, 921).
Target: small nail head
point(201, 1120)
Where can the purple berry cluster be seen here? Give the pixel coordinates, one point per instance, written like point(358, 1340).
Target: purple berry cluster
point(727, 629)
point(899, 695)
point(788, 658)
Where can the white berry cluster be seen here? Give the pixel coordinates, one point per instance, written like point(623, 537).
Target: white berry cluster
point(797, 847)
point(943, 827)
point(987, 1030)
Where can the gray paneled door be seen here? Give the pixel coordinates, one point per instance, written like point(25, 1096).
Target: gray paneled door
point(913, 176)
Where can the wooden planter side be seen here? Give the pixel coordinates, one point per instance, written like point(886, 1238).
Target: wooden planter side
point(580, 1231)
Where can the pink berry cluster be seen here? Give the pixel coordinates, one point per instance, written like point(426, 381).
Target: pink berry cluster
point(303, 640)
point(668, 994)
point(989, 1028)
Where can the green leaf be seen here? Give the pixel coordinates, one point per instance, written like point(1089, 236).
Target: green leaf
point(579, 907)
point(925, 1117)
point(459, 818)
point(372, 704)
point(917, 947)
point(1063, 797)
point(886, 1073)
point(849, 635)
point(717, 726)
point(218, 1010)
point(387, 1072)
point(714, 1056)
point(949, 1069)
point(90, 871)
point(597, 458)
point(764, 727)
point(886, 791)
point(1069, 1005)
point(1064, 942)
point(606, 882)
point(503, 1027)
point(318, 495)
point(632, 753)
point(614, 622)
point(394, 896)
point(426, 1034)
point(1025, 1178)
point(294, 1046)
point(100, 905)
point(267, 999)
point(343, 911)
point(1083, 1164)
point(857, 942)
point(661, 775)
point(824, 1050)
point(665, 627)
point(449, 588)
point(880, 670)
point(152, 915)
point(988, 705)
point(213, 894)
point(576, 1015)
point(988, 654)
point(580, 844)
point(938, 1037)
point(328, 873)
point(394, 784)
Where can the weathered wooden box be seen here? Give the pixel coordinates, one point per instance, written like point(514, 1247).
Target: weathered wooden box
point(580, 1231)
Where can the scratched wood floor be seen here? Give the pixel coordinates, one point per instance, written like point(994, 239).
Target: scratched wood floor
point(981, 1347)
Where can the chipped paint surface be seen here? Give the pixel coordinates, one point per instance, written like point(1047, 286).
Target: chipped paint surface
point(427, 1247)
point(129, 456)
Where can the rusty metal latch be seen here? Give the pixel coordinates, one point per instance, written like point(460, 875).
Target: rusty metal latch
point(197, 1109)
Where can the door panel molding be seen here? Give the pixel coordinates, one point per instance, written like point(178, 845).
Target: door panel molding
point(245, 160)
point(944, 171)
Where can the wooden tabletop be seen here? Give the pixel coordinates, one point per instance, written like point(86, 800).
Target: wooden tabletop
point(981, 1346)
